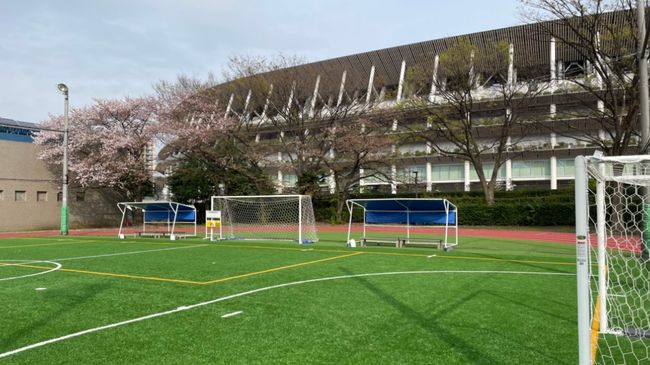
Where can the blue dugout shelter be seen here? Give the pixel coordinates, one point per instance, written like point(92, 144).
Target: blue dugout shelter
point(161, 218)
point(393, 220)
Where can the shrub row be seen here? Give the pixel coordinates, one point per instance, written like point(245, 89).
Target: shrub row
point(516, 208)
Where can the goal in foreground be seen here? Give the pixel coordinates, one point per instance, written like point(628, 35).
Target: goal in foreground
point(613, 237)
point(267, 217)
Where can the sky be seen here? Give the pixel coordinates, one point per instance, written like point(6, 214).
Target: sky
point(116, 48)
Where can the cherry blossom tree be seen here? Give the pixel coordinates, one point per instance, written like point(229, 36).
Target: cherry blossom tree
point(107, 143)
point(204, 147)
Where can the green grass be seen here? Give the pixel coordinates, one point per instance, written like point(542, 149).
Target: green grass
point(469, 317)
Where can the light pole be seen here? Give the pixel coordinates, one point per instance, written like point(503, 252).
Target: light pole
point(64, 198)
point(416, 182)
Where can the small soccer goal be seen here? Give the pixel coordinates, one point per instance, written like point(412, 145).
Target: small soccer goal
point(159, 219)
point(266, 217)
point(613, 268)
point(405, 222)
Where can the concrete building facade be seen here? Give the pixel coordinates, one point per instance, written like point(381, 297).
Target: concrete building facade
point(30, 193)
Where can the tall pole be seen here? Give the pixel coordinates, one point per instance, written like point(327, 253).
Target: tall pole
point(642, 58)
point(64, 198)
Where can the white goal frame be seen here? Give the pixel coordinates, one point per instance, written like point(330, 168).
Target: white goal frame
point(599, 253)
point(304, 219)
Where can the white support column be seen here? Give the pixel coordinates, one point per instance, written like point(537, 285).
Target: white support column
point(371, 84)
point(279, 184)
point(552, 61)
point(472, 79)
point(293, 90)
point(312, 107)
point(600, 104)
point(467, 184)
point(331, 182)
point(552, 110)
point(339, 100)
point(257, 138)
point(393, 179)
point(553, 173)
point(429, 177)
point(229, 106)
point(394, 126)
point(434, 79)
point(266, 102)
point(508, 175)
point(244, 113)
point(553, 140)
point(362, 181)
point(400, 85)
point(511, 66)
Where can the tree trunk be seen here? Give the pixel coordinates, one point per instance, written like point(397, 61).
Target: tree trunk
point(489, 193)
point(340, 204)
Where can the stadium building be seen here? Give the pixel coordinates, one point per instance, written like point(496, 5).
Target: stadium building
point(542, 156)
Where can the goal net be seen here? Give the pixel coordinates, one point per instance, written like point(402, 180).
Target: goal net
point(267, 217)
point(613, 238)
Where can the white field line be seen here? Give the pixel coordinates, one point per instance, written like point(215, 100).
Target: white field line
point(232, 314)
point(26, 262)
point(249, 292)
point(127, 253)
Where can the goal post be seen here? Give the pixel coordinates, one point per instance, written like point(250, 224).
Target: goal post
point(613, 270)
point(267, 217)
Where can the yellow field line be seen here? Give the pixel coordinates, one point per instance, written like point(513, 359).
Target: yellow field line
point(282, 268)
point(595, 325)
point(48, 244)
point(409, 254)
point(154, 278)
point(111, 274)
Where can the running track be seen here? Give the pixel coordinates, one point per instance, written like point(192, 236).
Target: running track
point(625, 244)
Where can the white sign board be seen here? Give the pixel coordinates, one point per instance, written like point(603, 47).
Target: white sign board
point(213, 214)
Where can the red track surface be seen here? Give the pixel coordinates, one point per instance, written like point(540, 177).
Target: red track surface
point(471, 232)
point(626, 244)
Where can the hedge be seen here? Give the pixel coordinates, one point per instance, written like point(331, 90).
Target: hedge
point(514, 208)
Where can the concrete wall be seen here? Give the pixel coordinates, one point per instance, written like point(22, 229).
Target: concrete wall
point(22, 171)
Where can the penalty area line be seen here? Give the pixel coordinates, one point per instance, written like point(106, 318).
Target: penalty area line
point(258, 290)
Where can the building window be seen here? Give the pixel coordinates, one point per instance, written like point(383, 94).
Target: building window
point(59, 196)
point(41, 196)
point(20, 196)
point(81, 196)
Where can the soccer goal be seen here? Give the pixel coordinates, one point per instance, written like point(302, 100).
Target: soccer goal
point(613, 238)
point(267, 217)
point(405, 222)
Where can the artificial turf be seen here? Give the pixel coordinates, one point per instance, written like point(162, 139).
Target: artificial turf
point(490, 301)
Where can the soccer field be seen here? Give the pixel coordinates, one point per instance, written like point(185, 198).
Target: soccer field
point(102, 300)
